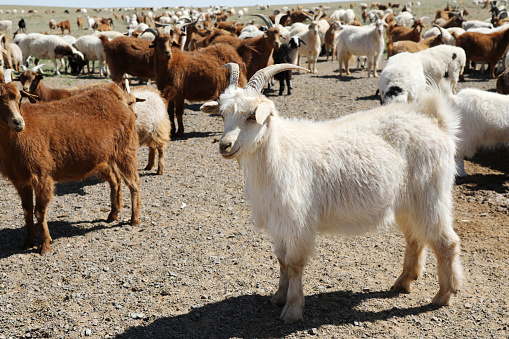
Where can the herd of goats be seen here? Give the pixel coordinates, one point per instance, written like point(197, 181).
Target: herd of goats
point(395, 164)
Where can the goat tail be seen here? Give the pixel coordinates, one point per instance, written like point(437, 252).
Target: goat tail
point(437, 102)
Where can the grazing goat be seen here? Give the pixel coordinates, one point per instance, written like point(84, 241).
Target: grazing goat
point(93, 50)
point(365, 40)
point(128, 55)
point(484, 122)
point(390, 165)
point(67, 140)
point(480, 47)
point(152, 124)
point(193, 76)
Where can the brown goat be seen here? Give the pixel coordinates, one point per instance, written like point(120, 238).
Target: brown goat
point(403, 33)
point(31, 83)
point(503, 82)
point(67, 140)
point(484, 47)
point(454, 21)
point(258, 51)
point(298, 16)
point(65, 25)
point(79, 22)
point(412, 46)
point(193, 76)
point(52, 24)
point(128, 55)
point(330, 39)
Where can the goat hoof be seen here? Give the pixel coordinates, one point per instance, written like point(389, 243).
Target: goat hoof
point(112, 217)
point(441, 299)
point(134, 222)
point(159, 172)
point(44, 248)
point(279, 299)
point(291, 314)
point(29, 243)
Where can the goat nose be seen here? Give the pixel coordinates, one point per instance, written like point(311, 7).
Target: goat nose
point(224, 146)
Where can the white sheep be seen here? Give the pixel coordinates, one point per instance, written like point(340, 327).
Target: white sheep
point(390, 165)
point(17, 56)
point(152, 124)
point(470, 24)
point(93, 50)
point(484, 122)
point(364, 40)
point(405, 75)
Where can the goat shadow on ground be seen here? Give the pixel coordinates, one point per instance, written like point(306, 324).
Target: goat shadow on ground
point(476, 76)
point(375, 97)
point(494, 159)
point(193, 135)
point(12, 240)
point(76, 187)
point(253, 316)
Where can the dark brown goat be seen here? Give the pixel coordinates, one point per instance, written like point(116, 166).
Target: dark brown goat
point(65, 25)
point(67, 140)
point(298, 16)
point(503, 82)
point(484, 47)
point(193, 76)
point(257, 52)
point(128, 55)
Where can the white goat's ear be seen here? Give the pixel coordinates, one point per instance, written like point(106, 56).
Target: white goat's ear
point(263, 111)
point(210, 107)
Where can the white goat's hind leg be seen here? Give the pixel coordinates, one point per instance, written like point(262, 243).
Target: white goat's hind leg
point(450, 275)
point(460, 166)
point(415, 256)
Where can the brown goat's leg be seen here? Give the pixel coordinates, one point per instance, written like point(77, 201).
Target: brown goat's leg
point(171, 114)
point(129, 172)
point(415, 256)
point(27, 203)
point(113, 177)
point(43, 194)
point(151, 158)
point(160, 163)
point(180, 113)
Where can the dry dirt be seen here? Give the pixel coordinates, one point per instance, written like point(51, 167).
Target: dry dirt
point(196, 268)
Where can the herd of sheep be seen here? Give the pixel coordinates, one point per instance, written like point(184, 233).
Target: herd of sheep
point(392, 165)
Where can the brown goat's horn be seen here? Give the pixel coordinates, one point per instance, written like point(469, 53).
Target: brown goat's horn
point(234, 73)
point(266, 19)
point(8, 75)
point(258, 80)
point(151, 30)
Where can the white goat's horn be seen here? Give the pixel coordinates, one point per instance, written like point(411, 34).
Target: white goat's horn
point(234, 73)
point(36, 68)
point(23, 67)
point(258, 80)
point(127, 88)
point(265, 18)
point(8, 75)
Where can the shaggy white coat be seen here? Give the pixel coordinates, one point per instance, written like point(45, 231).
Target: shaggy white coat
point(484, 122)
point(390, 165)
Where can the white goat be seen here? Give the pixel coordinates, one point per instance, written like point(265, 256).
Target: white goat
point(17, 56)
point(6, 26)
point(403, 79)
point(152, 124)
point(93, 50)
point(391, 165)
point(312, 44)
point(46, 47)
point(364, 40)
point(470, 24)
point(484, 122)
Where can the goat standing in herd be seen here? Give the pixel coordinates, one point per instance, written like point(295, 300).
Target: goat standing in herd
point(348, 175)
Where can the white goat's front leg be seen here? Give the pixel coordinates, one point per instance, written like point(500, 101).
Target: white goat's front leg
point(279, 298)
point(460, 166)
point(292, 312)
point(57, 72)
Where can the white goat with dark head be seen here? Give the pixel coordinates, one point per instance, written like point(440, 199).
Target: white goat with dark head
point(390, 165)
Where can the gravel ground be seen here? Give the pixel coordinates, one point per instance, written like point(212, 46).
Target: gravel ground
point(196, 268)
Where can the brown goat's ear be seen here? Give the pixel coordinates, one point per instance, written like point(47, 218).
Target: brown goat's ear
point(140, 100)
point(175, 43)
point(151, 45)
point(31, 97)
point(210, 107)
point(16, 79)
